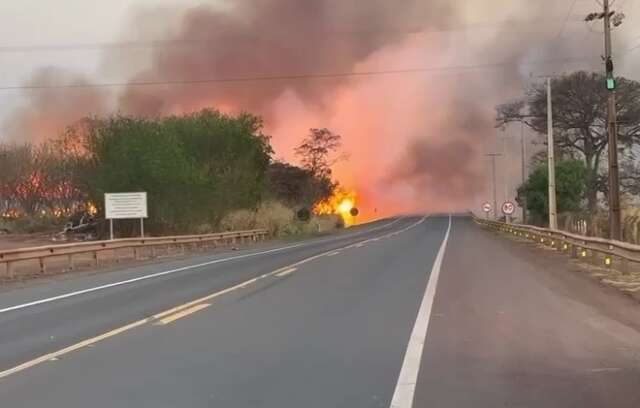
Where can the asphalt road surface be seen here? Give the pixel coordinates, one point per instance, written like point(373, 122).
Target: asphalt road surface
point(407, 312)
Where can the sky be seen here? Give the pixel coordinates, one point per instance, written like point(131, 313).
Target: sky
point(416, 141)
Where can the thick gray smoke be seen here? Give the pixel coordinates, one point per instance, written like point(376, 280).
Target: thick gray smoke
point(273, 38)
point(438, 125)
point(446, 166)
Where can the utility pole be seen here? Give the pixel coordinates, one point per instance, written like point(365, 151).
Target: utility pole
point(609, 17)
point(505, 175)
point(553, 216)
point(493, 175)
point(523, 155)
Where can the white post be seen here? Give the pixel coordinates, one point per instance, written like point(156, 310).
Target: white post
point(553, 216)
point(141, 227)
point(111, 229)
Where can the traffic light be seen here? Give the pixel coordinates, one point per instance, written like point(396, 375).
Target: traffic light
point(611, 80)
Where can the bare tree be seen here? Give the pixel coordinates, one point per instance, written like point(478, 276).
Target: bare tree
point(318, 151)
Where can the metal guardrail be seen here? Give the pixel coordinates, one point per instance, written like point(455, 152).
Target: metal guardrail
point(622, 256)
point(43, 253)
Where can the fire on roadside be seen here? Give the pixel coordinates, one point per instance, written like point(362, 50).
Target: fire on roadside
point(92, 209)
point(340, 203)
point(10, 214)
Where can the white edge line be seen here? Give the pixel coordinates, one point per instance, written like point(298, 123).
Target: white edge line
point(154, 275)
point(406, 386)
point(171, 271)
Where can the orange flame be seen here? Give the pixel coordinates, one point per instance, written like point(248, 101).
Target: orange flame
point(341, 203)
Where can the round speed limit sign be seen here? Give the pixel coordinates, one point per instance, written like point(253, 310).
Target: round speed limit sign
point(508, 208)
point(486, 207)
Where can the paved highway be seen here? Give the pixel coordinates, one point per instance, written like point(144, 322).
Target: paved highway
point(407, 312)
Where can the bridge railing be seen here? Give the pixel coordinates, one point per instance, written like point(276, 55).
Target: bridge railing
point(620, 255)
point(70, 252)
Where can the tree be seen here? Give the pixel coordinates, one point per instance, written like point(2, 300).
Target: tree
point(570, 189)
point(580, 120)
point(296, 186)
point(317, 152)
point(195, 168)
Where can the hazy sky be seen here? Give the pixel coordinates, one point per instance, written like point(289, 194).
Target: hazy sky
point(397, 112)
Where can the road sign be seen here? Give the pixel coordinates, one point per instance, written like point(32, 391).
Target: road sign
point(508, 208)
point(120, 206)
point(486, 207)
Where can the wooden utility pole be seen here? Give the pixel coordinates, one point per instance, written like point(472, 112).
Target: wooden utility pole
point(609, 17)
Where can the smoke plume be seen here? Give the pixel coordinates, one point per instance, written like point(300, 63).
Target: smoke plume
point(414, 139)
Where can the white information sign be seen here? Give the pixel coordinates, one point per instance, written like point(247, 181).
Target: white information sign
point(119, 206)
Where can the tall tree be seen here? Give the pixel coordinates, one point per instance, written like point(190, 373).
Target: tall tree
point(580, 120)
point(319, 151)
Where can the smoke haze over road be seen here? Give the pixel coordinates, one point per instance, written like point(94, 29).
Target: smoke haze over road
point(416, 140)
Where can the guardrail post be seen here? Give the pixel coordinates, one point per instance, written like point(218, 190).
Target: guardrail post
point(70, 265)
point(43, 267)
point(10, 269)
point(624, 266)
point(95, 258)
point(594, 257)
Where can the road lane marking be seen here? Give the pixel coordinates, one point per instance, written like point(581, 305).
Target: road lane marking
point(182, 269)
point(406, 385)
point(66, 350)
point(334, 253)
point(152, 319)
point(286, 272)
point(183, 313)
point(145, 277)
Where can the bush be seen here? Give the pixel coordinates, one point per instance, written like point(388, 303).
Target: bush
point(279, 220)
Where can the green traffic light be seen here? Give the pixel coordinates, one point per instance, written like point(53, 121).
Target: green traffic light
point(611, 84)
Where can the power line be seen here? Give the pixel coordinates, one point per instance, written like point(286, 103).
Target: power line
point(196, 42)
point(566, 19)
point(442, 69)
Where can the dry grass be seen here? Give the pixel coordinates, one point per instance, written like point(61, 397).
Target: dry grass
point(279, 220)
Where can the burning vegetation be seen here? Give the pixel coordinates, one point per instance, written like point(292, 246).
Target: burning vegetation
point(342, 202)
point(196, 168)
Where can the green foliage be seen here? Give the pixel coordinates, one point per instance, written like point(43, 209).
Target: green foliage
point(570, 189)
point(195, 168)
point(198, 170)
point(297, 187)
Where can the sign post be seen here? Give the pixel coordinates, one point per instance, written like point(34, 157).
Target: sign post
point(508, 209)
point(121, 206)
point(486, 207)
